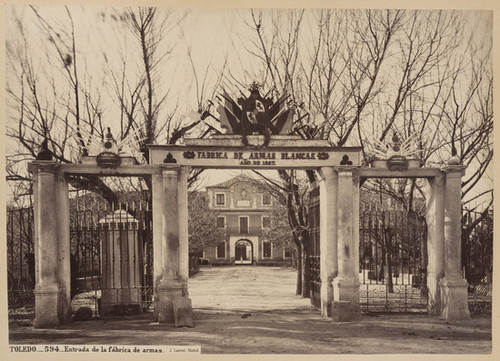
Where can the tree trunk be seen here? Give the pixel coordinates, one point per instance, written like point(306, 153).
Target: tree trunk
point(298, 290)
point(381, 272)
point(388, 262)
point(390, 284)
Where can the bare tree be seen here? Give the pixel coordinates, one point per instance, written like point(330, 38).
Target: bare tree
point(62, 101)
point(365, 75)
point(48, 100)
point(203, 230)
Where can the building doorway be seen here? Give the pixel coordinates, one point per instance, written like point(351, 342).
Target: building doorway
point(243, 251)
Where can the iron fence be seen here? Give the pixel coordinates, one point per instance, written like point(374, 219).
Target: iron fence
point(314, 257)
point(20, 257)
point(112, 256)
point(393, 260)
point(477, 258)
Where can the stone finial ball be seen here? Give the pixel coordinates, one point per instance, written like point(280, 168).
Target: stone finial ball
point(454, 160)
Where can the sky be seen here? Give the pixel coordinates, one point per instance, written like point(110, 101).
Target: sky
point(209, 33)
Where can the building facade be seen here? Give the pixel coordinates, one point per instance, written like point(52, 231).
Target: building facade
point(243, 209)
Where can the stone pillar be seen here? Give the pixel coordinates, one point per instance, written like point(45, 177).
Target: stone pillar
point(64, 248)
point(345, 306)
point(158, 202)
point(182, 186)
point(52, 288)
point(454, 299)
point(328, 236)
point(435, 243)
point(170, 285)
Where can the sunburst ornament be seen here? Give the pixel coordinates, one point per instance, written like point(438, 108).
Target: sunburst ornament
point(129, 146)
point(396, 148)
point(396, 154)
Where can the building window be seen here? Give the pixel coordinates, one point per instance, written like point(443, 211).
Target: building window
point(221, 249)
point(244, 225)
point(266, 249)
point(266, 199)
point(220, 199)
point(221, 222)
point(287, 253)
point(266, 222)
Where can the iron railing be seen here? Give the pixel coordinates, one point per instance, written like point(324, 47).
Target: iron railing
point(477, 258)
point(392, 242)
point(393, 260)
point(112, 256)
point(20, 257)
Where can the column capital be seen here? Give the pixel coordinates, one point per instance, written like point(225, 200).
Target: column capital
point(457, 170)
point(348, 171)
point(168, 170)
point(169, 166)
point(347, 168)
point(43, 166)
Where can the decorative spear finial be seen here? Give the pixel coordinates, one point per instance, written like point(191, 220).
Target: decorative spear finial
point(396, 144)
point(454, 160)
point(110, 143)
point(254, 87)
point(45, 153)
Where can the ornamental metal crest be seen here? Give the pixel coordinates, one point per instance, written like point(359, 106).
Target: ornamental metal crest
point(255, 115)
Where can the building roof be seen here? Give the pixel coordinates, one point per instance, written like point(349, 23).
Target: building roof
point(118, 216)
point(229, 183)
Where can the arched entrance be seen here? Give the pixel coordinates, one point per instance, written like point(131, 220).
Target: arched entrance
point(243, 252)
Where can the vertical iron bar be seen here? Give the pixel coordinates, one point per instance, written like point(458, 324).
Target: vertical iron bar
point(21, 226)
point(11, 242)
point(112, 225)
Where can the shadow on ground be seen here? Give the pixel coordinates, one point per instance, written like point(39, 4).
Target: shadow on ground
point(298, 331)
point(253, 310)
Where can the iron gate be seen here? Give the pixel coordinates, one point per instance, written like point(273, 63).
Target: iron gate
point(393, 260)
point(111, 256)
point(314, 257)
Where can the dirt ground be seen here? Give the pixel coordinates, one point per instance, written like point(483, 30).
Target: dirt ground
point(253, 310)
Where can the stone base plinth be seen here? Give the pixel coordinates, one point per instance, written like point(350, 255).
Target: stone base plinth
point(454, 299)
point(326, 299)
point(434, 303)
point(49, 312)
point(166, 293)
point(183, 312)
point(346, 289)
point(345, 311)
point(345, 305)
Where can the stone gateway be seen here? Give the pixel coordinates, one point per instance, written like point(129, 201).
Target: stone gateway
point(168, 169)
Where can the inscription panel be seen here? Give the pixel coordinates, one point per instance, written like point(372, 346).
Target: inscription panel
point(238, 157)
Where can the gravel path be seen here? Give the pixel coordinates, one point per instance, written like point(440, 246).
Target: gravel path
point(253, 310)
point(245, 288)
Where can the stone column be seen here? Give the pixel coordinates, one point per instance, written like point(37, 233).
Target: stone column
point(182, 186)
point(328, 236)
point(435, 243)
point(51, 255)
point(64, 248)
point(158, 202)
point(170, 285)
point(345, 306)
point(454, 299)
